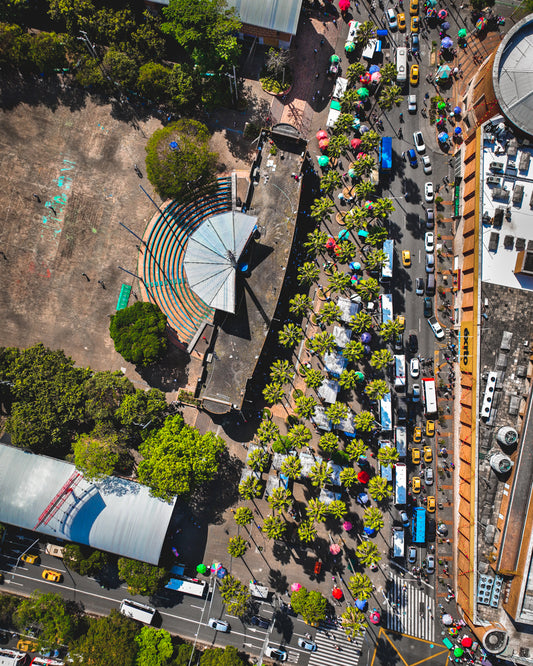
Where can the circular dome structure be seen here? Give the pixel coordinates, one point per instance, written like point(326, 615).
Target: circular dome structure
point(500, 463)
point(495, 641)
point(512, 75)
point(507, 436)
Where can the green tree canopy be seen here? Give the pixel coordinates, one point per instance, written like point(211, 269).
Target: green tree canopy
point(228, 656)
point(235, 594)
point(243, 515)
point(155, 647)
point(141, 577)
point(139, 333)
point(142, 411)
point(360, 586)
point(177, 459)
point(96, 456)
point(109, 640)
point(237, 546)
point(310, 605)
point(104, 393)
point(58, 619)
point(84, 560)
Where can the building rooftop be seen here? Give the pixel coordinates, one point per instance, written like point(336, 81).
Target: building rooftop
point(115, 515)
point(279, 15)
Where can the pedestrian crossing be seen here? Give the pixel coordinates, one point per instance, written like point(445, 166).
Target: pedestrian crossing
point(327, 654)
point(410, 610)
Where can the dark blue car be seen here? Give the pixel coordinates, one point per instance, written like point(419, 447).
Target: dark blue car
point(415, 43)
point(411, 154)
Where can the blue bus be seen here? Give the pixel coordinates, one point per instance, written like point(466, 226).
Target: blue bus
point(387, 313)
point(385, 153)
point(419, 525)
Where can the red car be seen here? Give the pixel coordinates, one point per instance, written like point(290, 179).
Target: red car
point(318, 567)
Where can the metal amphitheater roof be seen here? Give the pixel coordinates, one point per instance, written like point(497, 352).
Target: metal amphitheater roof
point(512, 75)
point(113, 514)
point(212, 254)
point(279, 15)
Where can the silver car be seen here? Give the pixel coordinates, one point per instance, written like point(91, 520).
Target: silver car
point(426, 164)
point(218, 625)
point(307, 644)
point(420, 146)
point(428, 476)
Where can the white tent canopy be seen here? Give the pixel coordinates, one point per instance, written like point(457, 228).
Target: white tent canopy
point(211, 256)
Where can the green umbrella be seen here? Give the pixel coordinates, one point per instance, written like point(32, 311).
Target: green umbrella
point(363, 92)
point(441, 105)
point(323, 160)
point(349, 47)
point(335, 58)
point(462, 33)
point(359, 376)
point(458, 652)
point(201, 568)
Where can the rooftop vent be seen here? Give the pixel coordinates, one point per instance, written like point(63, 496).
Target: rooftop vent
point(488, 396)
point(507, 436)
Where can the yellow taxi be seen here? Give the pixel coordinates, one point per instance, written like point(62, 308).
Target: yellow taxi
point(26, 645)
point(30, 558)
point(413, 7)
point(401, 320)
point(428, 454)
point(406, 258)
point(415, 456)
point(415, 24)
point(430, 428)
point(53, 576)
point(431, 504)
point(417, 434)
point(414, 75)
point(415, 484)
point(401, 22)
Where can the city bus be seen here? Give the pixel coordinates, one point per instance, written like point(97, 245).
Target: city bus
point(419, 525)
point(385, 413)
point(400, 439)
point(401, 65)
point(384, 470)
point(386, 308)
point(386, 271)
point(385, 153)
point(430, 396)
point(192, 586)
point(399, 372)
point(398, 542)
point(45, 661)
point(137, 611)
point(400, 484)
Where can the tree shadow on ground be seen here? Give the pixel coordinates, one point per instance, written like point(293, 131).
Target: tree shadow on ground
point(284, 625)
point(278, 581)
point(170, 372)
point(281, 552)
point(210, 502)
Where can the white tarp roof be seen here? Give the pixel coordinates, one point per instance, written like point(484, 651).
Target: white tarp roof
point(340, 87)
point(346, 425)
point(342, 336)
point(210, 257)
point(328, 390)
point(308, 460)
point(349, 308)
point(328, 496)
point(333, 115)
point(335, 363)
point(320, 419)
point(334, 473)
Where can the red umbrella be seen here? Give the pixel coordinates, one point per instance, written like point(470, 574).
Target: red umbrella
point(344, 5)
point(321, 134)
point(467, 642)
point(330, 243)
point(375, 617)
point(355, 143)
point(361, 156)
point(363, 477)
point(323, 143)
point(337, 593)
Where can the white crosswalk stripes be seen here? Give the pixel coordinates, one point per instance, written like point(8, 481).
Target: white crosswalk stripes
point(411, 610)
point(326, 653)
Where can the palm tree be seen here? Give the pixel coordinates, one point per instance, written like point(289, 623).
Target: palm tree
point(356, 219)
point(280, 499)
point(377, 389)
point(339, 281)
point(307, 532)
point(390, 329)
point(313, 378)
point(338, 145)
point(337, 509)
point(281, 371)
point(267, 432)
point(354, 72)
point(356, 449)
point(258, 460)
point(274, 527)
point(291, 467)
point(343, 124)
point(382, 208)
point(299, 435)
point(308, 273)
point(390, 95)
point(370, 141)
point(368, 553)
point(365, 32)
point(319, 473)
point(300, 305)
point(348, 379)
point(388, 455)
point(329, 313)
point(373, 518)
point(353, 622)
point(376, 236)
point(379, 489)
point(305, 406)
point(365, 188)
point(329, 443)
point(243, 516)
point(323, 343)
point(354, 351)
point(322, 208)
point(316, 240)
point(360, 586)
point(330, 182)
point(368, 289)
point(388, 73)
point(316, 511)
point(348, 477)
point(336, 412)
point(250, 488)
point(364, 421)
point(273, 393)
point(375, 260)
point(345, 251)
point(381, 358)
point(363, 167)
point(237, 546)
point(349, 100)
point(361, 322)
point(290, 335)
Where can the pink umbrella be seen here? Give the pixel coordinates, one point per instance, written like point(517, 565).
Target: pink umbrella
point(361, 156)
point(344, 5)
point(466, 642)
point(347, 525)
point(376, 77)
point(442, 14)
point(295, 587)
point(363, 477)
point(323, 143)
point(321, 134)
point(337, 593)
point(355, 143)
point(334, 549)
point(374, 617)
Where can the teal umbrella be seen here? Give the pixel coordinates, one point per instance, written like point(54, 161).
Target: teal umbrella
point(363, 92)
point(462, 34)
point(335, 58)
point(349, 47)
point(431, 3)
point(323, 160)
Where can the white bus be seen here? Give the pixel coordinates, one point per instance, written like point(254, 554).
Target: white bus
point(399, 372)
point(385, 413)
point(398, 542)
point(385, 470)
point(430, 396)
point(401, 64)
point(192, 586)
point(400, 439)
point(386, 271)
point(137, 611)
point(400, 484)
point(386, 308)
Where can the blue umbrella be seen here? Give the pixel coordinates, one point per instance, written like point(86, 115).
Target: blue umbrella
point(365, 337)
point(221, 572)
point(173, 145)
point(361, 604)
point(457, 110)
point(446, 43)
point(367, 349)
point(364, 128)
point(369, 531)
point(355, 266)
point(373, 69)
point(363, 498)
point(443, 137)
point(458, 130)
point(445, 25)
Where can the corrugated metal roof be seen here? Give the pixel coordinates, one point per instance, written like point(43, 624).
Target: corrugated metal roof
point(280, 15)
point(114, 515)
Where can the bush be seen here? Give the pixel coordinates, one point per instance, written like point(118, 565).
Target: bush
point(139, 333)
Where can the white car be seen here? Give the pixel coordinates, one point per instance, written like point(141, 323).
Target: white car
point(218, 625)
point(429, 241)
point(429, 192)
point(305, 644)
point(419, 286)
point(414, 368)
point(430, 263)
point(430, 564)
point(392, 20)
point(416, 393)
point(436, 328)
point(411, 555)
point(411, 103)
point(275, 653)
point(419, 142)
point(426, 164)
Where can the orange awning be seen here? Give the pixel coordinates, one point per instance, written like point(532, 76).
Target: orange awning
point(468, 245)
point(468, 264)
point(465, 453)
point(470, 150)
point(469, 189)
point(465, 434)
point(464, 491)
point(468, 300)
point(466, 398)
point(468, 227)
point(466, 380)
point(468, 282)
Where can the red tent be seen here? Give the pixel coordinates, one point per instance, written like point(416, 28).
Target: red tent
point(467, 642)
point(355, 143)
point(337, 593)
point(344, 5)
point(363, 477)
